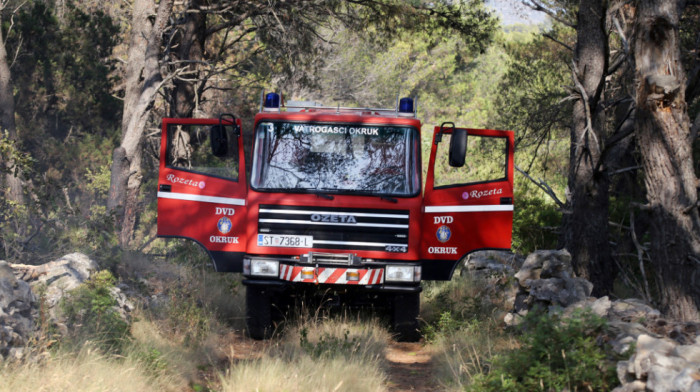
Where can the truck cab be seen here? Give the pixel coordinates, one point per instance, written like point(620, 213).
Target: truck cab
point(335, 204)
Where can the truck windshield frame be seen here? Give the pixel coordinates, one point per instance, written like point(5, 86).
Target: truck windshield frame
point(336, 158)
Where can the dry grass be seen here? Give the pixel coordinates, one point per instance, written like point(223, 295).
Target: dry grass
point(88, 370)
point(463, 318)
point(304, 374)
point(317, 355)
point(464, 353)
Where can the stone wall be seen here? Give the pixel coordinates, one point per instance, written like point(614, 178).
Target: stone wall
point(664, 355)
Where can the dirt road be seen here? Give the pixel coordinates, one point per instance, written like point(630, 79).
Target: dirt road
point(410, 367)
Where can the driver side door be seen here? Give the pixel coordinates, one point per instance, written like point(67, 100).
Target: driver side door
point(202, 187)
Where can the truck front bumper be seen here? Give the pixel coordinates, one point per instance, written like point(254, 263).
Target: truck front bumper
point(371, 275)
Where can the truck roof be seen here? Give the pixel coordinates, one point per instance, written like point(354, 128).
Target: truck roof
point(340, 115)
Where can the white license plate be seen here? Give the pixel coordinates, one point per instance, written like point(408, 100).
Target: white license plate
point(286, 241)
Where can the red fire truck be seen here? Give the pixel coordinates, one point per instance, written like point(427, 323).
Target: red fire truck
point(335, 203)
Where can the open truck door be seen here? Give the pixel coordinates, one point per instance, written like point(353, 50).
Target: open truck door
point(468, 200)
point(202, 187)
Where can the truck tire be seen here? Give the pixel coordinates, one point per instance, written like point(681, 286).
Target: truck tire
point(404, 317)
point(258, 312)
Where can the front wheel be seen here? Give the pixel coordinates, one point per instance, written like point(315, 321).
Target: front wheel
point(404, 317)
point(258, 313)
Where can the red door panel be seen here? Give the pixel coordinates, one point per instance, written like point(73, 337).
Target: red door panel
point(471, 207)
point(202, 190)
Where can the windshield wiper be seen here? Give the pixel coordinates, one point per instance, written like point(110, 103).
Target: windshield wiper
point(389, 198)
point(323, 195)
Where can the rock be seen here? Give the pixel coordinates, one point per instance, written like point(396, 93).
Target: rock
point(17, 311)
point(489, 258)
point(57, 277)
point(686, 379)
point(623, 373)
point(690, 353)
point(512, 319)
point(556, 260)
point(577, 289)
point(660, 379)
point(632, 310)
point(647, 344)
point(634, 386)
point(621, 346)
point(124, 305)
point(548, 290)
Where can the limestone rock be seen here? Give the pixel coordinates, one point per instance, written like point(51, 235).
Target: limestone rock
point(557, 263)
point(17, 312)
point(57, 277)
point(632, 310)
point(690, 353)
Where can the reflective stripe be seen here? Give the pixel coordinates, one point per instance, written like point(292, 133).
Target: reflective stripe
point(331, 275)
point(304, 222)
point(355, 243)
point(204, 198)
point(363, 214)
point(477, 208)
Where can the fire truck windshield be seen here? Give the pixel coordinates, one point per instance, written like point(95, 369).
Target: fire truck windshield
point(336, 158)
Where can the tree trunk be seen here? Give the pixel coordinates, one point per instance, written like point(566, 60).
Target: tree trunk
point(663, 131)
point(143, 79)
point(13, 180)
point(585, 229)
point(190, 43)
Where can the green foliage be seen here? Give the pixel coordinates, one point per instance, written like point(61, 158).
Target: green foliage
point(186, 315)
point(460, 305)
point(556, 354)
point(63, 75)
point(535, 221)
point(328, 345)
point(92, 314)
point(64, 68)
point(151, 359)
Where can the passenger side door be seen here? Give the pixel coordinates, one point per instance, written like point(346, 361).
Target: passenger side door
point(469, 207)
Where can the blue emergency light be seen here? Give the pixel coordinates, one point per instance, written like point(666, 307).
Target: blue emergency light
point(272, 101)
point(406, 105)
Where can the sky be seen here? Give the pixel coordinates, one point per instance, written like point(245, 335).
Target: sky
point(513, 12)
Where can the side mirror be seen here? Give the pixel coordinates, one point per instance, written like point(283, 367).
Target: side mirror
point(219, 140)
point(458, 147)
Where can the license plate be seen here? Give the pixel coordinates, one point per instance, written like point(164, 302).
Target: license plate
point(286, 241)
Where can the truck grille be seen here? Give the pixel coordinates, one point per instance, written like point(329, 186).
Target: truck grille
point(339, 228)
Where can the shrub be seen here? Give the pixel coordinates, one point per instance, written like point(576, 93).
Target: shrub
point(534, 220)
point(556, 354)
point(93, 314)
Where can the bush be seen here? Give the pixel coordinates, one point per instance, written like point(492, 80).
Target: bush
point(556, 354)
point(460, 304)
point(92, 314)
point(534, 223)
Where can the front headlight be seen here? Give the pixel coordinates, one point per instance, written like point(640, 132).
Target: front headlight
point(264, 267)
point(403, 273)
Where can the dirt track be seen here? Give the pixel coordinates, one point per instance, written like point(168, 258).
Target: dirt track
point(409, 365)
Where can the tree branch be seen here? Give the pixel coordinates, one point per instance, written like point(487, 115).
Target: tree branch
point(546, 35)
point(640, 255)
point(539, 7)
point(544, 186)
point(586, 107)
